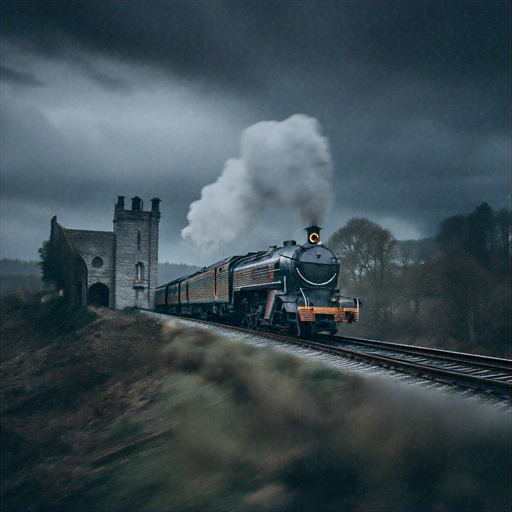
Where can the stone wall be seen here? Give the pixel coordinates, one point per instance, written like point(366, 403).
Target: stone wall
point(97, 250)
point(70, 265)
point(153, 254)
point(106, 263)
point(136, 243)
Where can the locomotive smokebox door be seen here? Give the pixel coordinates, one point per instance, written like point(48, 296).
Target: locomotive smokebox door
point(313, 235)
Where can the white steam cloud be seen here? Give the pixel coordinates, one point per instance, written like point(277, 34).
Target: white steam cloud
point(281, 165)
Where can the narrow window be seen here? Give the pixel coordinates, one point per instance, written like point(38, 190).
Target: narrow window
point(139, 272)
point(138, 240)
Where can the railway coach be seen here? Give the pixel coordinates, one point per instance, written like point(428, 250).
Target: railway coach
point(292, 288)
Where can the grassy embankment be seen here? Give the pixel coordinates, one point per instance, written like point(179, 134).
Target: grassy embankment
point(105, 410)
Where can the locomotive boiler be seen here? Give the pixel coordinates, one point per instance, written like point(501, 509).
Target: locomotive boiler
point(290, 289)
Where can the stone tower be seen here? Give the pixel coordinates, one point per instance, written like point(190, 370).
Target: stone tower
point(136, 253)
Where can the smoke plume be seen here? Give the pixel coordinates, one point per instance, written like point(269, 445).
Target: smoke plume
point(282, 165)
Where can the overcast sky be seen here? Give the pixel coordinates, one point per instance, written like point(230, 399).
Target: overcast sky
point(100, 99)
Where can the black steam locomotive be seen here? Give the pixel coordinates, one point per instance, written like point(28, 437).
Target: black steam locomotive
point(290, 289)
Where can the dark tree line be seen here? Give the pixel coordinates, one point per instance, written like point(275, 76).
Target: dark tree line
point(474, 269)
point(450, 291)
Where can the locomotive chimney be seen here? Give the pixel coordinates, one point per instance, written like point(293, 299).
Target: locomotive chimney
point(313, 235)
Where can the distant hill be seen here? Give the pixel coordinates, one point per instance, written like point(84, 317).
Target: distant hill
point(19, 274)
point(27, 274)
point(10, 283)
point(12, 267)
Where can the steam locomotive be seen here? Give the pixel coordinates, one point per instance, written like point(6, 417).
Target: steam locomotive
point(289, 289)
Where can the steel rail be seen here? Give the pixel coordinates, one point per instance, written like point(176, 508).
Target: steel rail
point(420, 369)
point(427, 369)
point(449, 355)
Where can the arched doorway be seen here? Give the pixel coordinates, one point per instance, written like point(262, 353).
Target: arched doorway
point(98, 295)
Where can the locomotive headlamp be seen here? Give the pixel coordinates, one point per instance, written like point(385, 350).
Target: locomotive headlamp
point(313, 234)
point(314, 238)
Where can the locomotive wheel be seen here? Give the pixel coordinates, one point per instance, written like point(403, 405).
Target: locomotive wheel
point(252, 315)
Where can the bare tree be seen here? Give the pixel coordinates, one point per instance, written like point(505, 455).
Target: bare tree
point(365, 248)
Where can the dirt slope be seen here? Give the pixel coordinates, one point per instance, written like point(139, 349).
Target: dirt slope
point(68, 382)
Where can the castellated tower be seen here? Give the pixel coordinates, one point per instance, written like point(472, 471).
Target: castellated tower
point(136, 253)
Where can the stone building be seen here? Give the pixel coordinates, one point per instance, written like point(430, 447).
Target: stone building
point(116, 269)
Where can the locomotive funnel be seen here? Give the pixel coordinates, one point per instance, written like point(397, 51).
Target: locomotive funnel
point(313, 234)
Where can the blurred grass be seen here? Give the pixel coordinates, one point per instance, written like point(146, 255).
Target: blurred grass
point(184, 419)
point(255, 429)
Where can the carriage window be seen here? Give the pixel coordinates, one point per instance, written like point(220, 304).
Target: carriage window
point(139, 272)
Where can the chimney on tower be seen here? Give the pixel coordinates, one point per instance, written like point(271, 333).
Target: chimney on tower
point(137, 204)
point(155, 205)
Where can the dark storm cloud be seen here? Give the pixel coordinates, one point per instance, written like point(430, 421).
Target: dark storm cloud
point(176, 35)
point(104, 80)
point(226, 40)
point(15, 77)
point(414, 98)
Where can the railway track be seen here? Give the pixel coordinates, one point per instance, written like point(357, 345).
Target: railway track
point(486, 374)
point(479, 374)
